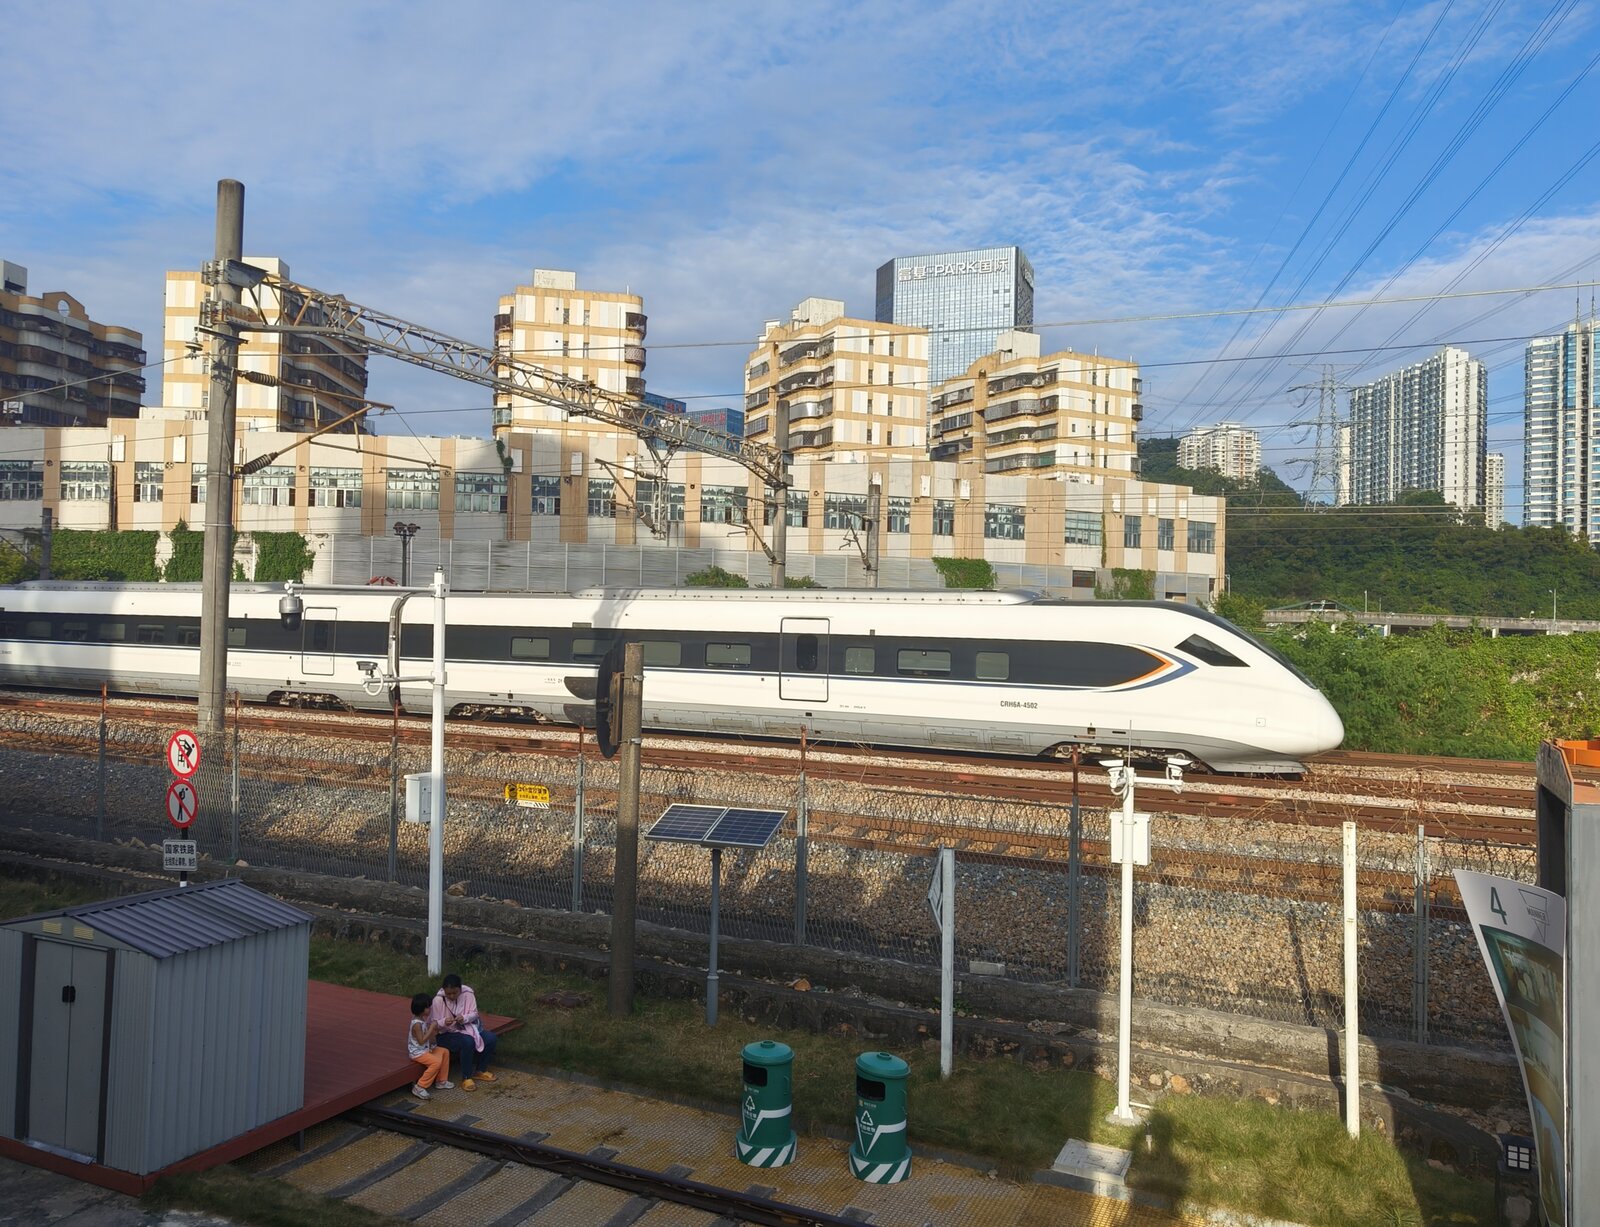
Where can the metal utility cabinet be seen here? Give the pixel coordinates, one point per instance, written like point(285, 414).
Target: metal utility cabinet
point(142, 1030)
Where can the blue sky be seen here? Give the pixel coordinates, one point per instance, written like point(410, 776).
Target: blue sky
point(727, 160)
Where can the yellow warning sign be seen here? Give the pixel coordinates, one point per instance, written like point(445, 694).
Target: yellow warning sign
point(530, 796)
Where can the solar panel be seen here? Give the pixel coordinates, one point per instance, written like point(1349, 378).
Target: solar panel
point(746, 828)
point(686, 824)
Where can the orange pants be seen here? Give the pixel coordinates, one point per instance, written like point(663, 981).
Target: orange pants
point(435, 1067)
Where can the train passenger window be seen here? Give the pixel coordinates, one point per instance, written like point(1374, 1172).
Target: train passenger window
point(113, 632)
point(189, 636)
point(1198, 645)
point(805, 653)
point(921, 662)
point(148, 633)
point(727, 655)
point(994, 666)
point(530, 647)
point(37, 628)
point(75, 632)
point(236, 635)
point(590, 649)
point(860, 660)
point(663, 655)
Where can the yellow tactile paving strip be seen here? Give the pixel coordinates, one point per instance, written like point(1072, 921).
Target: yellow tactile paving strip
point(668, 1214)
point(345, 1164)
point(582, 1204)
point(652, 1134)
point(417, 1180)
point(487, 1200)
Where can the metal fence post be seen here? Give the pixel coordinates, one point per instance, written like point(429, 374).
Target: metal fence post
point(802, 838)
point(1419, 940)
point(233, 830)
point(100, 813)
point(577, 833)
point(1074, 869)
point(394, 788)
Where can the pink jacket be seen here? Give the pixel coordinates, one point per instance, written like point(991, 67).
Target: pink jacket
point(465, 1009)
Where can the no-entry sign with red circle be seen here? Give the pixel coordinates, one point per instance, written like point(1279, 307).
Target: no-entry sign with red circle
point(182, 803)
point(183, 753)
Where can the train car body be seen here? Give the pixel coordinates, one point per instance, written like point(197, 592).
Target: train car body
point(1000, 672)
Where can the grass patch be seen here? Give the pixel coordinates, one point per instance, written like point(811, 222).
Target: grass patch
point(23, 896)
point(258, 1201)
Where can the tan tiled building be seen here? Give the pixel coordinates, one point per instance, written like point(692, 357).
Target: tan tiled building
point(58, 367)
point(581, 334)
point(854, 388)
point(322, 373)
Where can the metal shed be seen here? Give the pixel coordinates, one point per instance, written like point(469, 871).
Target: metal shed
point(145, 1029)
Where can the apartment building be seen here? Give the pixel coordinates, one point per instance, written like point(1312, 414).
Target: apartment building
point(1561, 431)
point(965, 299)
point(316, 380)
point(853, 388)
point(1494, 490)
point(58, 367)
point(589, 335)
point(1065, 415)
point(1424, 427)
point(1229, 448)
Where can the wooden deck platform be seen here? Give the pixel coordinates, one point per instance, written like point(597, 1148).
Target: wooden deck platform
point(354, 1052)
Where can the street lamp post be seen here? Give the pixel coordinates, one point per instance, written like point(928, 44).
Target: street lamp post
point(405, 532)
point(1553, 611)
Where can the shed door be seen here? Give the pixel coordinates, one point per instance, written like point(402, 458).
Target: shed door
point(803, 660)
point(68, 1040)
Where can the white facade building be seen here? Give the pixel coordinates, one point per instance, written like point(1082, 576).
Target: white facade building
point(1424, 427)
point(1494, 490)
point(1230, 449)
point(1561, 433)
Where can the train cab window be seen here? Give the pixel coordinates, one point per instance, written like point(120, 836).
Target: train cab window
point(149, 633)
point(727, 656)
point(530, 647)
point(994, 666)
point(590, 649)
point(236, 635)
point(860, 660)
point(662, 654)
point(806, 648)
point(189, 636)
point(74, 632)
point(922, 662)
point(1201, 647)
point(113, 632)
point(36, 628)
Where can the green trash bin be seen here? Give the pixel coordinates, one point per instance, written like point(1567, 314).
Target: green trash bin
point(879, 1155)
point(766, 1133)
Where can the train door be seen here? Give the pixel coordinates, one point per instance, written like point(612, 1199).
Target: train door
point(319, 627)
point(803, 659)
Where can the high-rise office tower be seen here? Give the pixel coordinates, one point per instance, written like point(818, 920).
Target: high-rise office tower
point(1561, 430)
point(1423, 427)
point(965, 299)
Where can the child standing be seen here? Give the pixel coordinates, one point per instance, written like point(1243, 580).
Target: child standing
point(420, 1044)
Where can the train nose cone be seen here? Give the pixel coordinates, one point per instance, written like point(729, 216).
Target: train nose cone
point(1329, 728)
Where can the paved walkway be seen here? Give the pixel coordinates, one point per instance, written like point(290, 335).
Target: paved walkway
point(33, 1196)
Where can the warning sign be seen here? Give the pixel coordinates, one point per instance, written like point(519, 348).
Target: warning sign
point(183, 753)
point(182, 803)
point(529, 796)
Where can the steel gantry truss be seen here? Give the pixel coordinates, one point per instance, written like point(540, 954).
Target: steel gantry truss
point(302, 310)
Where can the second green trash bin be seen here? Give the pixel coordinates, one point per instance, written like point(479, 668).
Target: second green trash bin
point(766, 1133)
point(879, 1155)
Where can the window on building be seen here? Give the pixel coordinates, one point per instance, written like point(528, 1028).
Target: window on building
point(944, 517)
point(481, 492)
point(1202, 537)
point(723, 504)
point(270, 487)
point(1084, 528)
point(799, 505)
point(85, 481)
point(21, 481)
point(1004, 521)
point(899, 517)
point(335, 487)
point(645, 496)
point(197, 484)
point(1132, 533)
point(546, 496)
point(602, 498)
point(412, 489)
point(1083, 579)
point(1165, 536)
point(147, 479)
point(844, 510)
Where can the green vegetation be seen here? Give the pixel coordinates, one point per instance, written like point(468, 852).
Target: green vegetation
point(800, 581)
point(97, 555)
point(966, 573)
point(19, 562)
point(714, 577)
point(258, 1201)
point(1128, 584)
point(188, 555)
point(281, 556)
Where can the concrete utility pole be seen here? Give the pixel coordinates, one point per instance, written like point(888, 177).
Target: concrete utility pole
point(222, 348)
point(780, 519)
point(625, 887)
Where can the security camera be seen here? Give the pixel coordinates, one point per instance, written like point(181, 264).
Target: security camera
point(290, 609)
point(369, 667)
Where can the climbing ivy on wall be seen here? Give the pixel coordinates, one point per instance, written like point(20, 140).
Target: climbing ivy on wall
point(102, 555)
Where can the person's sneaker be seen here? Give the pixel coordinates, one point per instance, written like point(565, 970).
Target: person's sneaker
point(469, 1085)
point(421, 1092)
point(485, 1076)
point(444, 1086)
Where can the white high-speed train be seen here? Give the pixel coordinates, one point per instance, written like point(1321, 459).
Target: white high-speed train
point(1004, 672)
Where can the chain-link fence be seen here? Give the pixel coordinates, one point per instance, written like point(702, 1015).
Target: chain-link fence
point(1230, 915)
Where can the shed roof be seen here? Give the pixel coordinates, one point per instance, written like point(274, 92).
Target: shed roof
point(163, 923)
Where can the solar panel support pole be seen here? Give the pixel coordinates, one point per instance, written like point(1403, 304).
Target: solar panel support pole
point(625, 888)
point(716, 907)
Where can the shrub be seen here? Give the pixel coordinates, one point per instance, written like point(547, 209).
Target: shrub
point(966, 573)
